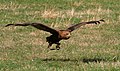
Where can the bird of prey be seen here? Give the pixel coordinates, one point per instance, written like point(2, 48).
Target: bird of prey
point(56, 35)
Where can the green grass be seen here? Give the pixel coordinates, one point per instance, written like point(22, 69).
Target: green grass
point(91, 48)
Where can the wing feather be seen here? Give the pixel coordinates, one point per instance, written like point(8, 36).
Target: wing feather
point(36, 25)
point(83, 23)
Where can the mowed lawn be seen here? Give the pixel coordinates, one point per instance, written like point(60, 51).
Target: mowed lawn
point(90, 48)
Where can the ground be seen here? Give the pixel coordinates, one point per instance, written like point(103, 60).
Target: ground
point(90, 48)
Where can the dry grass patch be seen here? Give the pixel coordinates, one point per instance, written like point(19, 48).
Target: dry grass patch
point(50, 13)
point(12, 6)
point(97, 11)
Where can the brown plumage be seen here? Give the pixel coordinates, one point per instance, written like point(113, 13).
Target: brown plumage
point(57, 35)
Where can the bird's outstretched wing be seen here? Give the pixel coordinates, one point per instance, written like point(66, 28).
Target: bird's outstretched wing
point(83, 23)
point(36, 25)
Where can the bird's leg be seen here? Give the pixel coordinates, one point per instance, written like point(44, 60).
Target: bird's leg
point(50, 44)
point(58, 46)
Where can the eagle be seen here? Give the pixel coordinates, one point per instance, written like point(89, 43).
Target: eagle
point(56, 35)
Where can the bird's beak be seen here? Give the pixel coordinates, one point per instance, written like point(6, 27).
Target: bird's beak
point(69, 35)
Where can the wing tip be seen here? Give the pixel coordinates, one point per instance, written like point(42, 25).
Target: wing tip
point(99, 21)
point(102, 20)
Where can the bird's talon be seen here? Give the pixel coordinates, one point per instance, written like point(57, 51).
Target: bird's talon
point(58, 48)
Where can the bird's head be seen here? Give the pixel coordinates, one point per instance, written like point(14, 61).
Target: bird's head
point(64, 34)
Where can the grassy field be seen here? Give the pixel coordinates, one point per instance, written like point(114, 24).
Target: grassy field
point(91, 48)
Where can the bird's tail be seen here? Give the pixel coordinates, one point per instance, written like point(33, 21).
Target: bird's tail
point(24, 24)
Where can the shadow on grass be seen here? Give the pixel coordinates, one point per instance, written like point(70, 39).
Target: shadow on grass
point(87, 60)
point(84, 60)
